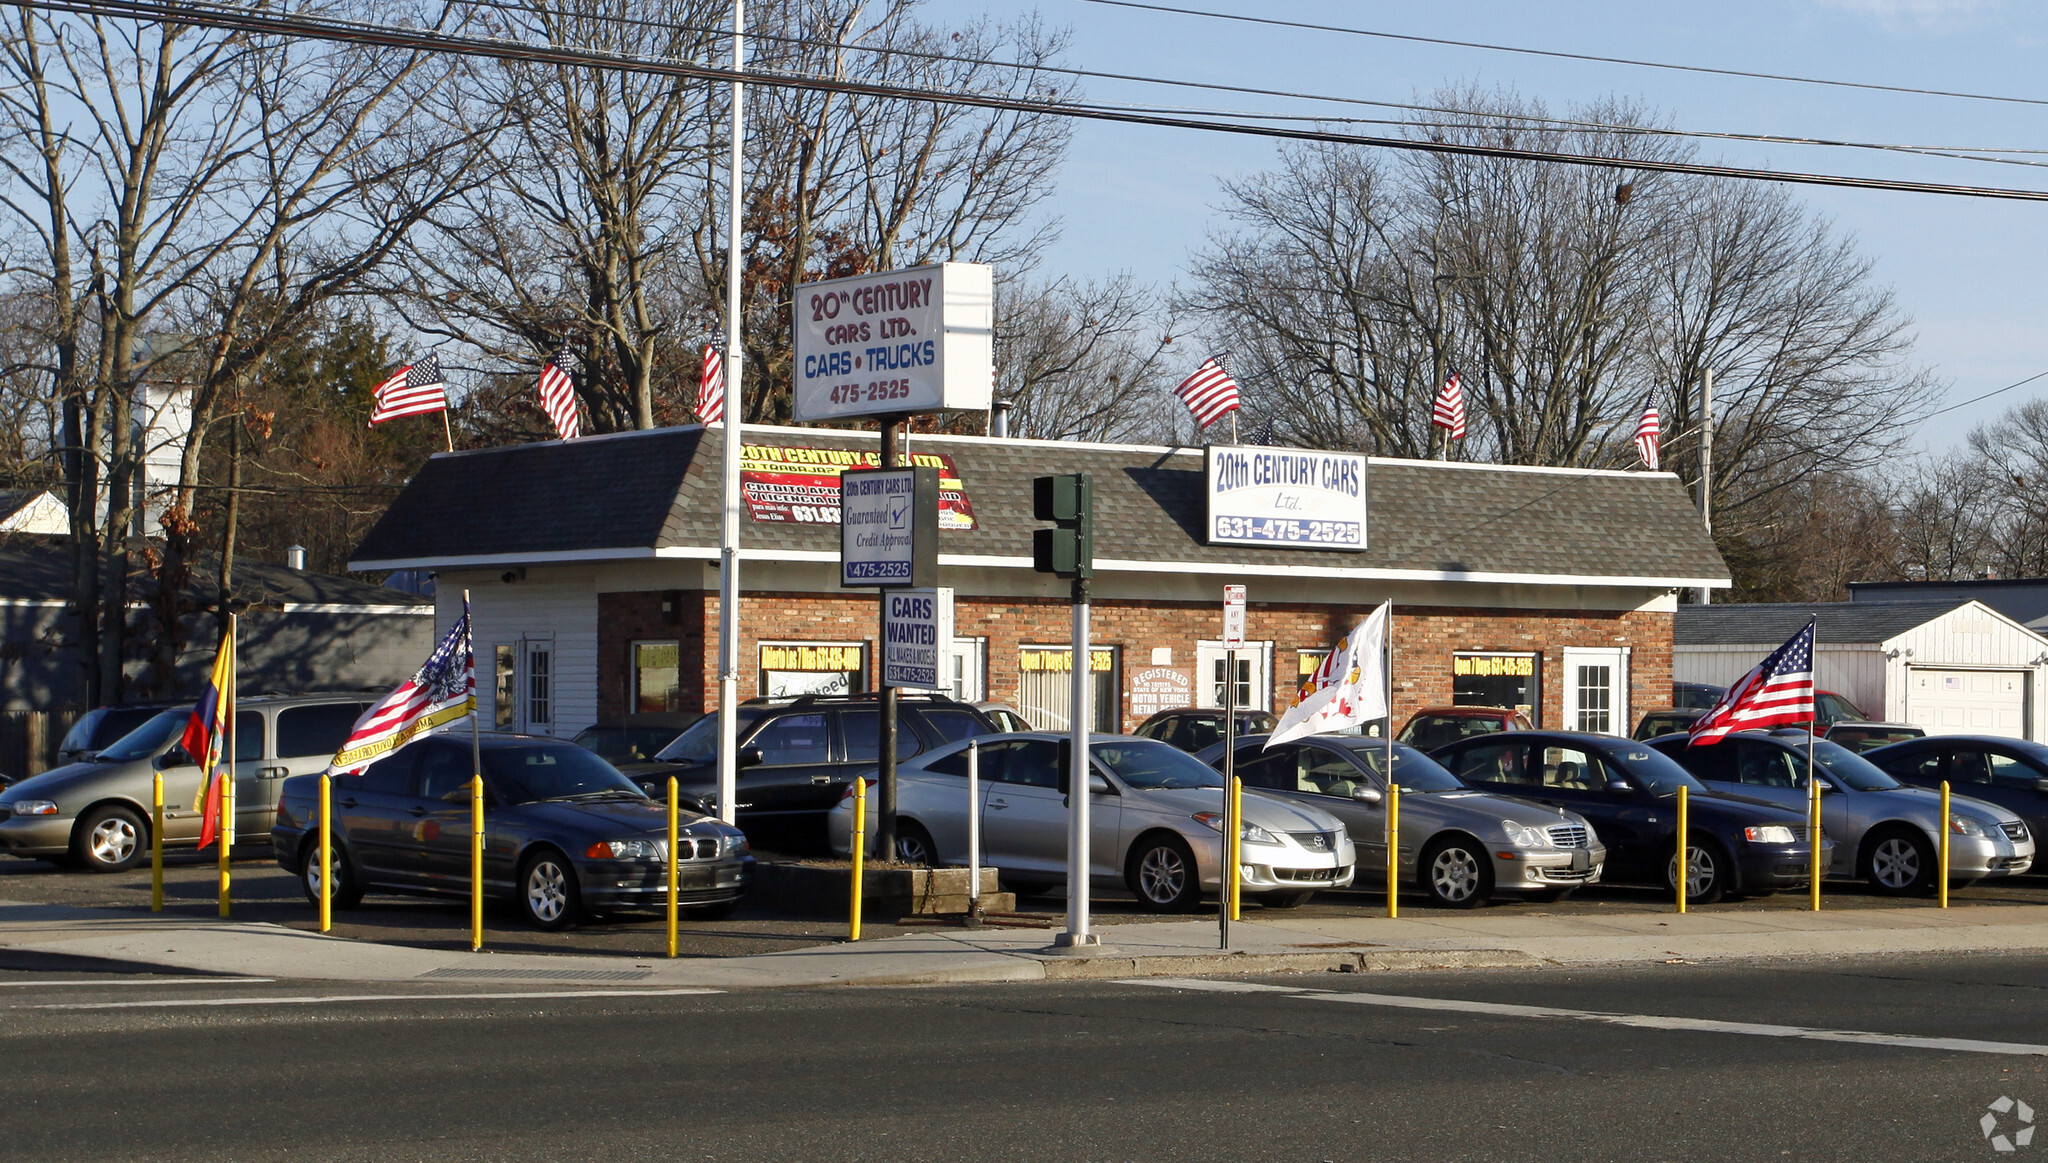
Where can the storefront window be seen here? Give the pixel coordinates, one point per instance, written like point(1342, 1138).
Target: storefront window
point(1044, 695)
point(657, 675)
point(1498, 680)
point(505, 690)
point(789, 669)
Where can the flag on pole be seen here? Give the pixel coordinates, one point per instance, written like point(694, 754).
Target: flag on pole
point(1450, 407)
point(417, 389)
point(205, 733)
point(1648, 433)
point(1349, 688)
point(711, 388)
point(1210, 393)
point(440, 694)
point(1778, 692)
point(558, 391)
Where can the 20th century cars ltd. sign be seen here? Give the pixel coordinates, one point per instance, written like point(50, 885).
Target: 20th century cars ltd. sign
point(896, 342)
point(1285, 497)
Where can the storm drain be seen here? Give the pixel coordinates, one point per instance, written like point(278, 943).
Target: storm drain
point(538, 974)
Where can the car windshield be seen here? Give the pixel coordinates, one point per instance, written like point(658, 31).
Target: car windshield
point(553, 771)
point(148, 739)
point(1858, 773)
point(1655, 770)
point(1414, 770)
point(1147, 765)
point(699, 745)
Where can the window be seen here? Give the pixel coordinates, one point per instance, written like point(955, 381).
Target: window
point(1498, 679)
point(794, 739)
point(1497, 763)
point(540, 685)
point(505, 689)
point(2009, 772)
point(304, 732)
point(789, 669)
point(1595, 701)
point(1251, 686)
point(967, 670)
point(1044, 687)
point(861, 731)
point(1762, 765)
point(445, 771)
point(1968, 767)
point(249, 735)
point(953, 725)
point(391, 775)
point(1565, 769)
point(1034, 763)
point(657, 676)
point(1306, 663)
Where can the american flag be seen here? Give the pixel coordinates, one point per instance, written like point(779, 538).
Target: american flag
point(1648, 434)
point(438, 695)
point(711, 389)
point(413, 390)
point(1210, 393)
point(1450, 407)
point(1778, 692)
point(558, 391)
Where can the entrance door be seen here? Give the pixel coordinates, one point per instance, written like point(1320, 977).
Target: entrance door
point(1974, 702)
point(1596, 690)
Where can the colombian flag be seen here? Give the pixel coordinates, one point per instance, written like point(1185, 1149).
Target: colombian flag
point(205, 734)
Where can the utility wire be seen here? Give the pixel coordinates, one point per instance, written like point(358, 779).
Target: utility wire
point(1978, 399)
point(213, 16)
point(1569, 56)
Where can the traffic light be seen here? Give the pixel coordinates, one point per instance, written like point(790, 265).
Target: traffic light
point(1069, 502)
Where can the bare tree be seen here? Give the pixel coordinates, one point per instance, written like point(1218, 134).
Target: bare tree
point(1082, 361)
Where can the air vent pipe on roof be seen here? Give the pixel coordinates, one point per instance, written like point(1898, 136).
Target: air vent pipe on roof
point(999, 418)
point(295, 557)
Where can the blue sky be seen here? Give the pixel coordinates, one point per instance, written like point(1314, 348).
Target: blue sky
point(1967, 271)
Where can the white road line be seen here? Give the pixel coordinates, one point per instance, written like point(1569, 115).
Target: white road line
point(1641, 1021)
point(143, 981)
point(346, 998)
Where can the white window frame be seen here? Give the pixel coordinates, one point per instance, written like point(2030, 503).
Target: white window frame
point(549, 701)
point(1616, 659)
point(1210, 655)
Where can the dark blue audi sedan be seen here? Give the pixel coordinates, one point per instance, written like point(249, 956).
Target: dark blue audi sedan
point(566, 836)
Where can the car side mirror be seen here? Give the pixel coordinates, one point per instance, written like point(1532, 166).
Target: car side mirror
point(1099, 785)
point(177, 756)
point(752, 757)
point(2041, 785)
point(1367, 795)
point(1619, 787)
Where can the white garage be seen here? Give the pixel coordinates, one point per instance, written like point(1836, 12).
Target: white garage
point(1950, 667)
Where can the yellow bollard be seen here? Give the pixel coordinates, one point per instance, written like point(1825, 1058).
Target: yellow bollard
point(226, 839)
point(476, 863)
point(1236, 845)
point(156, 843)
point(326, 856)
point(1941, 889)
point(856, 844)
point(673, 836)
point(1684, 849)
point(1393, 848)
point(1814, 835)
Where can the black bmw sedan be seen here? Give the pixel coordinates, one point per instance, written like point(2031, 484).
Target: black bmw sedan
point(1629, 792)
point(565, 835)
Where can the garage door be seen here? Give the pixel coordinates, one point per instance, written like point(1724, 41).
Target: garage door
point(1973, 702)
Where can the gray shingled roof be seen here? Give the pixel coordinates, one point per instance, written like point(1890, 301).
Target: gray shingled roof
point(1771, 623)
point(642, 491)
point(37, 567)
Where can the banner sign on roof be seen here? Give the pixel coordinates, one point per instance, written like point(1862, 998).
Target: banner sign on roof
point(895, 342)
point(1280, 498)
point(801, 485)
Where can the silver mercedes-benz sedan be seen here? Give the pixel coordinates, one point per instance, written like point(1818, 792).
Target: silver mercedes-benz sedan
point(1155, 822)
point(1458, 845)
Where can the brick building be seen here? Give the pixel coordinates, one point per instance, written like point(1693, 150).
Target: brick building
point(592, 571)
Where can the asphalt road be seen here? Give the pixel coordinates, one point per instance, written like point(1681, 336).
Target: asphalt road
point(1313, 1067)
point(264, 892)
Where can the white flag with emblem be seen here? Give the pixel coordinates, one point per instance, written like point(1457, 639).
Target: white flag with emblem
point(1349, 688)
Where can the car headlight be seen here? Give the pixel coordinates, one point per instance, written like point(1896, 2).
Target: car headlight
point(628, 850)
point(1249, 833)
point(35, 807)
point(1522, 836)
point(736, 845)
point(1965, 826)
point(1768, 834)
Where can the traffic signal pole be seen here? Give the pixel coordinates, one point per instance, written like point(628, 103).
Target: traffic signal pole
point(1068, 551)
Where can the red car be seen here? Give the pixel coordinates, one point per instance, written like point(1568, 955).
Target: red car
point(1434, 727)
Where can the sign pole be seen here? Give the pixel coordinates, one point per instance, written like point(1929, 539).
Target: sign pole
point(1233, 637)
point(885, 785)
point(729, 493)
point(1077, 933)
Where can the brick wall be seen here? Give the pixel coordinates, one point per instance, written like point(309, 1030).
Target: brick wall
point(1425, 637)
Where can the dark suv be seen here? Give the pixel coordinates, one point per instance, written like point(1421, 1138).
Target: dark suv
point(798, 757)
point(1193, 728)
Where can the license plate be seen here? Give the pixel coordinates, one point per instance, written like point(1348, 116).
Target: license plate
point(1582, 860)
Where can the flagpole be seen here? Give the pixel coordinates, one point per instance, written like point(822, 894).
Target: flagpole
point(729, 522)
point(1813, 832)
point(446, 430)
point(1393, 833)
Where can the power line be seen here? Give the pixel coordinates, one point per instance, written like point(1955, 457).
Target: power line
point(323, 28)
point(1977, 399)
point(1569, 56)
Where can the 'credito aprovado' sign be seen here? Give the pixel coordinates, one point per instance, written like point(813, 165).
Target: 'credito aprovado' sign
point(895, 342)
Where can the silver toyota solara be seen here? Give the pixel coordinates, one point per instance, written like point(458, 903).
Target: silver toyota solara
point(1155, 822)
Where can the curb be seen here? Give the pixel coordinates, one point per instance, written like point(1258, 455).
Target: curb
point(1226, 964)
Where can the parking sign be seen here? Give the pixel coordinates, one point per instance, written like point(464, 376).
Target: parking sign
point(1233, 617)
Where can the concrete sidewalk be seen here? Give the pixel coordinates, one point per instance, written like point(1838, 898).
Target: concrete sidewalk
point(55, 936)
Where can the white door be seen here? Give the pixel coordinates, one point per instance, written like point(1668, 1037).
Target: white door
point(1972, 702)
point(1254, 674)
point(967, 669)
point(537, 686)
point(1596, 690)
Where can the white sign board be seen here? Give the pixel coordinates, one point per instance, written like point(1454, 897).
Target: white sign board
point(878, 542)
point(1285, 498)
point(1233, 616)
point(918, 340)
point(917, 631)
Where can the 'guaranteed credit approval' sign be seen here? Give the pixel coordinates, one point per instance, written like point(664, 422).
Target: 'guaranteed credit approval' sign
point(889, 527)
point(1285, 497)
point(896, 342)
point(917, 631)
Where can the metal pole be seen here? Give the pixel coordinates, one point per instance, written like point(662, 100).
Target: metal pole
point(974, 828)
point(1941, 888)
point(476, 863)
point(1236, 842)
point(729, 493)
point(1684, 849)
point(156, 843)
point(857, 845)
point(1226, 904)
point(1813, 832)
point(673, 837)
point(1077, 933)
point(1707, 464)
point(885, 740)
point(227, 786)
point(1393, 847)
point(326, 853)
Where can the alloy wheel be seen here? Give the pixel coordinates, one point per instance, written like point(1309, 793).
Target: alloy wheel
point(113, 840)
point(1455, 874)
point(1162, 875)
point(1699, 871)
point(1895, 863)
point(547, 892)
